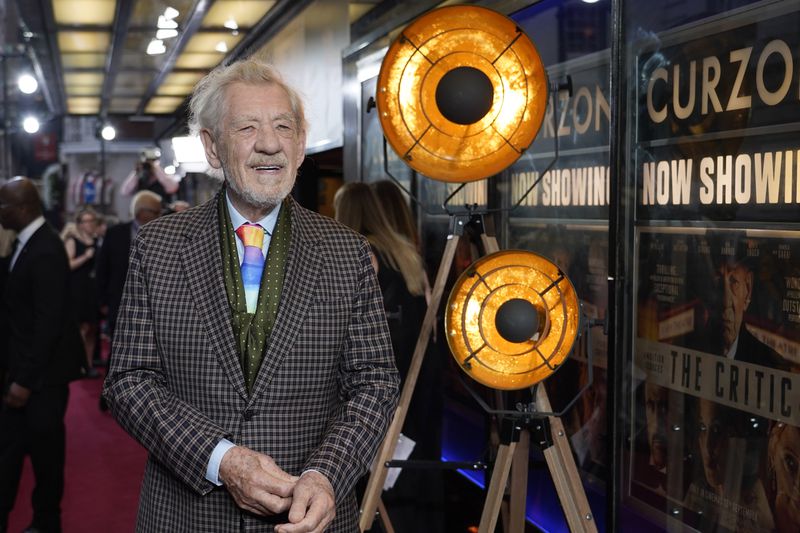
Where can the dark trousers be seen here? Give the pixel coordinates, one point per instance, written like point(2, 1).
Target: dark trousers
point(36, 430)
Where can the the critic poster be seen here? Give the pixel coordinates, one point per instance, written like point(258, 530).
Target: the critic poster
point(715, 443)
point(715, 366)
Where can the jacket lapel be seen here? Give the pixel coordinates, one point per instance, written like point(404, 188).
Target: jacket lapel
point(202, 262)
point(302, 267)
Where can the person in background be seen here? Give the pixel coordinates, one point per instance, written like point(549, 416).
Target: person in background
point(40, 352)
point(396, 208)
point(261, 386)
point(415, 502)
point(102, 319)
point(81, 248)
point(112, 261)
point(149, 176)
point(111, 267)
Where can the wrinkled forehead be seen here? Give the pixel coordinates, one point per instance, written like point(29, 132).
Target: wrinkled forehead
point(245, 99)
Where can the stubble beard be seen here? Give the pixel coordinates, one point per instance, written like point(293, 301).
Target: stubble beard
point(257, 198)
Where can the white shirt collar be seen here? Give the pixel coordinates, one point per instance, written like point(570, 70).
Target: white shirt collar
point(268, 222)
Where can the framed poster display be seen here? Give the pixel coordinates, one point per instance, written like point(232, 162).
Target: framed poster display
point(715, 390)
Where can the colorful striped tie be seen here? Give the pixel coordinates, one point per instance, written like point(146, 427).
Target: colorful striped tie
point(252, 236)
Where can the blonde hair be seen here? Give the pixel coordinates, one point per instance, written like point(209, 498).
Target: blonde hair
point(396, 208)
point(358, 208)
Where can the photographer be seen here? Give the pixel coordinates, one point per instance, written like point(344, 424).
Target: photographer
point(149, 176)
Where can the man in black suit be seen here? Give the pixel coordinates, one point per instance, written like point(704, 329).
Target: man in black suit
point(40, 352)
point(111, 267)
point(735, 286)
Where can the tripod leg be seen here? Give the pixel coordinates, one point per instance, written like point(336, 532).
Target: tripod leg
point(564, 472)
point(378, 477)
point(385, 521)
point(519, 482)
point(497, 487)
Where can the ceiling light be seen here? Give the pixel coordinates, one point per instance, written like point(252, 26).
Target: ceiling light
point(231, 24)
point(166, 34)
point(27, 84)
point(30, 124)
point(170, 13)
point(156, 47)
point(166, 24)
point(590, 1)
point(169, 170)
point(221, 47)
point(108, 132)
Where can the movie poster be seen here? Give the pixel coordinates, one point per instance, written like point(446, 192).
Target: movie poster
point(718, 393)
point(715, 374)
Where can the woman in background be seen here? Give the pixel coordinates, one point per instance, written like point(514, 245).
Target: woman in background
point(80, 242)
point(416, 501)
point(396, 208)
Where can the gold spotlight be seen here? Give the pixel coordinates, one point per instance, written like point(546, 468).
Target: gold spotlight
point(461, 93)
point(512, 319)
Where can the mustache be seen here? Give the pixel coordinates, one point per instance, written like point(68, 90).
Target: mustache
point(265, 162)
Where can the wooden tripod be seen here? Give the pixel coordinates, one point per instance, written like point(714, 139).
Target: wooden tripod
point(558, 455)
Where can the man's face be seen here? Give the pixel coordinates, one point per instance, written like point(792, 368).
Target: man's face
point(260, 144)
point(714, 443)
point(736, 284)
point(656, 406)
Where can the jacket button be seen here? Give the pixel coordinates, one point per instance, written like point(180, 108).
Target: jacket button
point(248, 415)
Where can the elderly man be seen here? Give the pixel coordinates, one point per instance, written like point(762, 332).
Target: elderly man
point(252, 356)
point(40, 352)
point(111, 267)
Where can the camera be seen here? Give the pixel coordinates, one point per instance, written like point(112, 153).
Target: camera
point(149, 154)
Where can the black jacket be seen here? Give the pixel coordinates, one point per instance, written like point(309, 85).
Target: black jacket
point(40, 342)
point(111, 267)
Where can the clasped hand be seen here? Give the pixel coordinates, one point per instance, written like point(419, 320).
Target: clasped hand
point(258, 485)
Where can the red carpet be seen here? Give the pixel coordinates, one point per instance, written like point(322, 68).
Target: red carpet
point(103, 471)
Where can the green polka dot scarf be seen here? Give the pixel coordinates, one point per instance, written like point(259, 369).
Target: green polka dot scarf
point(252, 330)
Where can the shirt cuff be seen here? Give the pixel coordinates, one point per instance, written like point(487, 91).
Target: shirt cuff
point(212, 471)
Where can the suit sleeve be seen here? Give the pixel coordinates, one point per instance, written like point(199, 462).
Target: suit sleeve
point(175, 433)
point(50, 284)
point(101, 270)
point(368, 385)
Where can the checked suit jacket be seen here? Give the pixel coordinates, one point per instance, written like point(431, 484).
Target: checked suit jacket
point(323, 397)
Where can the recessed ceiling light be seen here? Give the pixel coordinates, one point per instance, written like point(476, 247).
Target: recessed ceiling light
point(108, 132)
point(30, 124)
point(231, 24)
point(156, 47)
point(166, 34)
point(166, 24)
point(27, 84)
point(221, 47)
point(170, 13)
